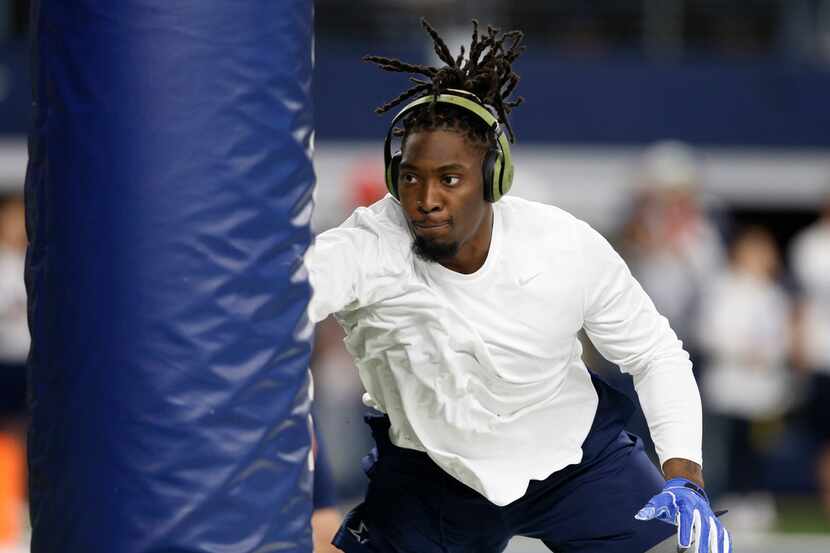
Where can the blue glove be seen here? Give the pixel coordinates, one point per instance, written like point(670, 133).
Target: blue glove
point(684, 504)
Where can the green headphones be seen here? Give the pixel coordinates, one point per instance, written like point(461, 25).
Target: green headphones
point(497, 167)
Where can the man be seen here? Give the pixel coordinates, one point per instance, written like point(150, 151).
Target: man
point(812, 270)
point(461, 310)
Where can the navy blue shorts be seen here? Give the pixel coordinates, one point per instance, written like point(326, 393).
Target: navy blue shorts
point(413, 506)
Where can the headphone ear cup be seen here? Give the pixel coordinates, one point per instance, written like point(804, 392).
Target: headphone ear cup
point(392, 171)
point(489, 167)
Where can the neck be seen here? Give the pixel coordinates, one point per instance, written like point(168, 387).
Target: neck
point(473, 253)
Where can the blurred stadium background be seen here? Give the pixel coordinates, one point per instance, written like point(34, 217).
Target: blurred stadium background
point(694, 133)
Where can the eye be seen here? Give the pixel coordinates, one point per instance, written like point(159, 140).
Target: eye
point(451, 180)
point(408, 178)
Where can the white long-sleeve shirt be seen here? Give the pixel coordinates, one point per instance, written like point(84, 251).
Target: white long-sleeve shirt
point(484, 371)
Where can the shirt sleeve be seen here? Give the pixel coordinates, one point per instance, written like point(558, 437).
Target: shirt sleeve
point(623, 324)
point(333, 263)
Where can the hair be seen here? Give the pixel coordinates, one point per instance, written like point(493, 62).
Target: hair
point(427, 250)
point(486, 72)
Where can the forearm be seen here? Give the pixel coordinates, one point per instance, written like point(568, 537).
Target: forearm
point(671, 403)
point(683, 468)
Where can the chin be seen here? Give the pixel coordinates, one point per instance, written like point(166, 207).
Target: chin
point(434, 250)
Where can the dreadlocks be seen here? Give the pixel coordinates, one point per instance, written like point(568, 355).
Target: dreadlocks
point(486, 72)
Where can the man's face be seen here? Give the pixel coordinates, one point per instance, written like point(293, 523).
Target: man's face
point(440, 189)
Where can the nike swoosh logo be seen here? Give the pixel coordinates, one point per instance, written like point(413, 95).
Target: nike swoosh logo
point(525, 280)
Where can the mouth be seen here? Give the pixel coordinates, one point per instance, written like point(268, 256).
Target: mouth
point(432, 224)
point(430, 227)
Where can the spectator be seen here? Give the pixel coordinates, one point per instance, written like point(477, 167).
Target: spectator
point(745, 331)
point(14, 330)
point(14, 347)
point(325, 519)
point(669, 242)
point(338, 408)
point(811, 265)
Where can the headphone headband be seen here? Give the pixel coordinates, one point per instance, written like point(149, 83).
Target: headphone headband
point(502, 178)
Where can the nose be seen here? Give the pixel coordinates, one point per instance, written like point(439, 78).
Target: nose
point(429, 198)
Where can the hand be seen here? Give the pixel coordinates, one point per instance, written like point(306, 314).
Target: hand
point(684, 504)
